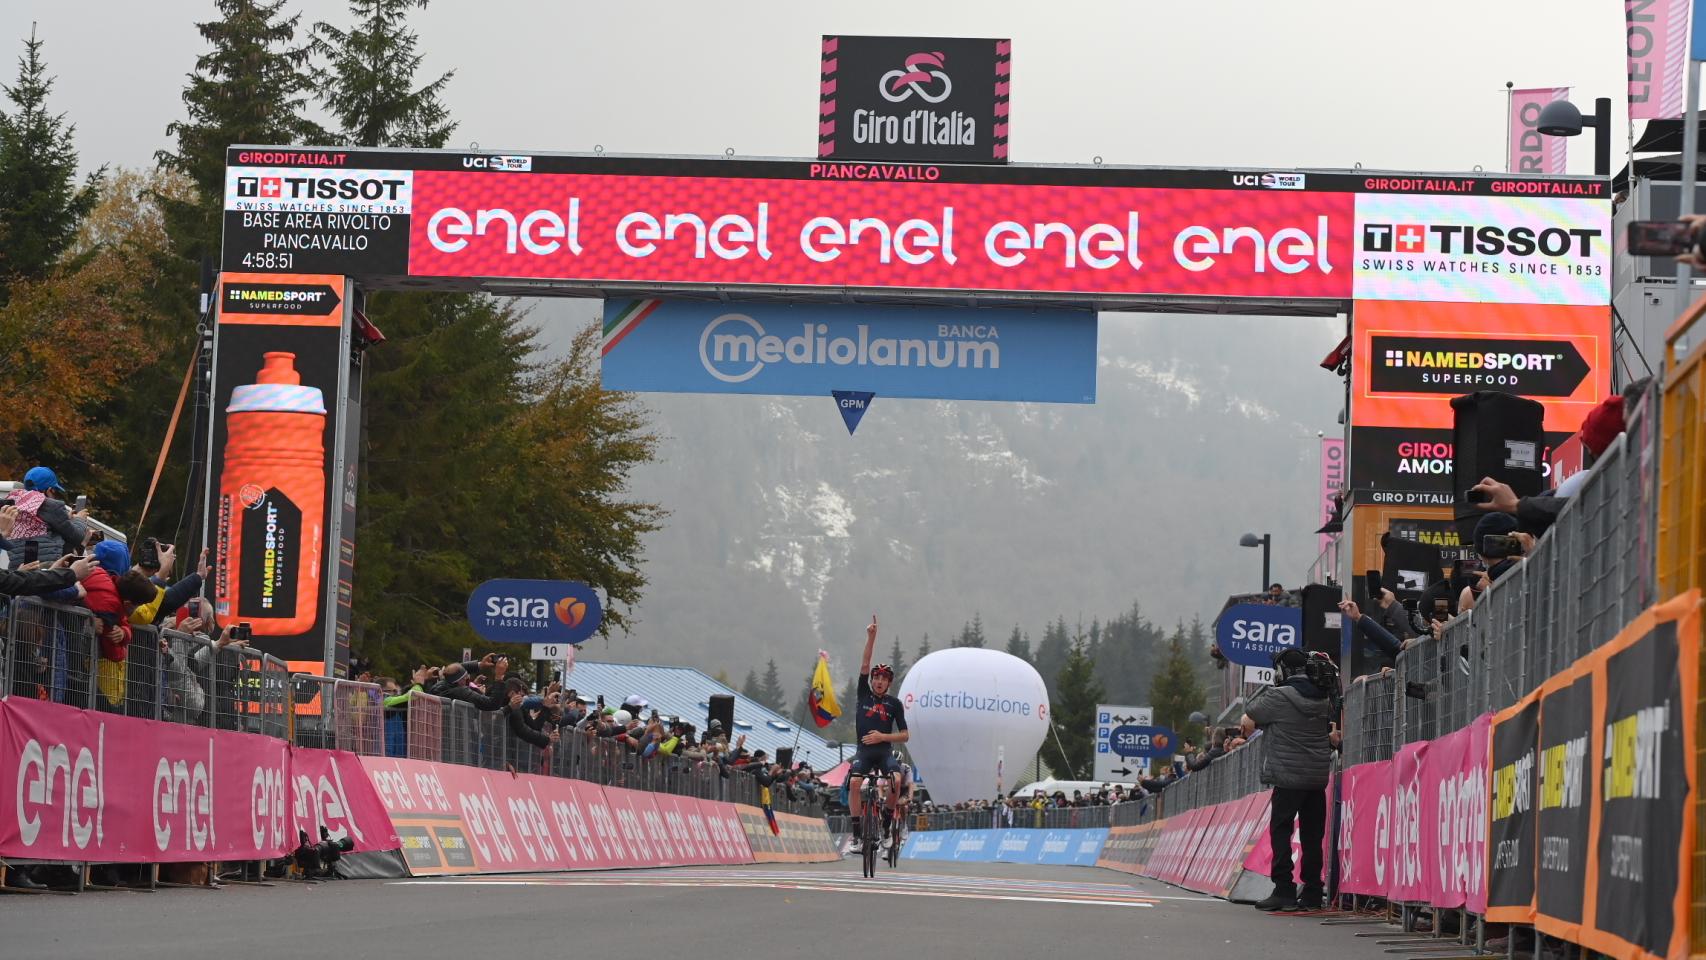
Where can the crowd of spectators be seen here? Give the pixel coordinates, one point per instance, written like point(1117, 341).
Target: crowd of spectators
point(625, 736)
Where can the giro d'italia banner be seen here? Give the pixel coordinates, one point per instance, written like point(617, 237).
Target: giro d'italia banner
point(683, 346)
point(1643, 832)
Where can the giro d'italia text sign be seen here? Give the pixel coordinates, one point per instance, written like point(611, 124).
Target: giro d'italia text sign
point(929, 99)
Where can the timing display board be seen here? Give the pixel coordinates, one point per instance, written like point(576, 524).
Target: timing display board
point(591, 225)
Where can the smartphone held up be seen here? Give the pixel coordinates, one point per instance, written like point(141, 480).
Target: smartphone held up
point(1663, 238)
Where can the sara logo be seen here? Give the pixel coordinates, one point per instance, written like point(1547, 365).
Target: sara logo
point(534, 611)
point(1249, 633)
point(918, 78)
point(571, 611)
point(1135, 741)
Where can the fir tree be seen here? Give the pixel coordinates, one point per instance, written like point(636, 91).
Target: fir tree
point(1052, 654)
point(770, 692)
point(1074, 709)
point(252, 87)
point(923, 649)
point(366, 78)
point(1175, 692)
point(1019, 644)
point(750, 690)
point(897, 660)
point(971, 635)
point(41, 205)
point(722, 677)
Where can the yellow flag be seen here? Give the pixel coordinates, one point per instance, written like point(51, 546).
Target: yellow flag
point(824, 707)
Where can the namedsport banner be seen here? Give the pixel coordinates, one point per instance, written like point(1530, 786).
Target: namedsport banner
point(684, 346)
point(1643, 829)
point(1511, 837)
point(280, 346)
point(1566, 748)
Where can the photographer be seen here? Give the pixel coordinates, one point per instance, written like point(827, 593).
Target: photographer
point(455, 682)
point(1296, 716)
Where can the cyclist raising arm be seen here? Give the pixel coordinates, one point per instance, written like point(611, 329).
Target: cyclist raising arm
point(881, 723)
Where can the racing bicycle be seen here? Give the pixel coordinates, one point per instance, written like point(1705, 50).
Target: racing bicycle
point(870, 820)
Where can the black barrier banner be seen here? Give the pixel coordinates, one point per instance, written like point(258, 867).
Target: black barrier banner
point(1511, 838)
point(1566, 741)
point(1643, 833)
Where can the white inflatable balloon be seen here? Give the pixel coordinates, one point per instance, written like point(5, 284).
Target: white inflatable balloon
point(976, 716)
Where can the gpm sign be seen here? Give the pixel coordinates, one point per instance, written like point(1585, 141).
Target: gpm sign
point(534, 611)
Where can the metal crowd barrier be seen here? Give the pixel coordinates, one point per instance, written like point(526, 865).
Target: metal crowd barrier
point(1371, 718)
point(1591, 573)
point(53, 652)
point(337, 714)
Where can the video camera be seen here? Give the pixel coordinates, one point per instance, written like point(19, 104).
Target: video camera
point(319, 859)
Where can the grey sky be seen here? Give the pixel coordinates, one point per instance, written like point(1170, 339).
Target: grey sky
point(1211, 82)
point(1246, 83)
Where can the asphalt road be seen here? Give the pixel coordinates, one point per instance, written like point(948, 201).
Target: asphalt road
point(955, 911)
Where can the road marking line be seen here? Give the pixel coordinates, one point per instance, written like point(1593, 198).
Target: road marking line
point(847, 885)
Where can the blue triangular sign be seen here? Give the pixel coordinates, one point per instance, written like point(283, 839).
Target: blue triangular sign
point(852, 404)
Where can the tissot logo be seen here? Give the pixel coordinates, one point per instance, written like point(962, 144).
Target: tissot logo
point(248, 186)
point(1452, 239)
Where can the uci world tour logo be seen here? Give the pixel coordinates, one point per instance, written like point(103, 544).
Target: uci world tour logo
point(922, 76)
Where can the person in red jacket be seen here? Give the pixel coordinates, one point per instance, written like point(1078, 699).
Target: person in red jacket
point(110, 593)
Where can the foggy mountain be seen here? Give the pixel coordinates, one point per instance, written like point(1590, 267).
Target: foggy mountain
point(786, 534)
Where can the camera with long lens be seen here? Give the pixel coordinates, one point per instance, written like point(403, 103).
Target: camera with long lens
point(319, 859)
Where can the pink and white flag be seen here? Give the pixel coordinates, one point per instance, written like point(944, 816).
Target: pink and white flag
point(1530, 150)
point(1656, 32)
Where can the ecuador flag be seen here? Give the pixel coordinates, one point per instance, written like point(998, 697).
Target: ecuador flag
point(824, 707)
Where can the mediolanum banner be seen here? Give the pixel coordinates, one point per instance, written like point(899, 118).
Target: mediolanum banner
point(810, 350)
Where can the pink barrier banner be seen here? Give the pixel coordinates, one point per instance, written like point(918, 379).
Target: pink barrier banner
point(1260, 859)
point(91, 787)
point(1365, 828)
point(329, 788)
point(1180, 840)
point(1405, 851)
point(455, 819)
point(1221, 854)
point(1454, 816)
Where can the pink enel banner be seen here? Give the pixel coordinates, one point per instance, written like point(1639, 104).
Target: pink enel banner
point(1530, 150)
point(84, 786)
point(1365, 826)
point(504, 822)
point(1332, 479)
point(1656, 35)
point(1414, 828)
point(1261, 857)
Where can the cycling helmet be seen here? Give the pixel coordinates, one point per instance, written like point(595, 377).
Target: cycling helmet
point(883, 669)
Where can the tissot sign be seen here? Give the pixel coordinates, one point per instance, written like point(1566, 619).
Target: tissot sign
point(931, 99)
point(1098, 235)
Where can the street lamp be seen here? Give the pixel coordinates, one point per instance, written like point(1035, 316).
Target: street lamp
point(1265, 541)
point(1561, 118)
point(836, 746)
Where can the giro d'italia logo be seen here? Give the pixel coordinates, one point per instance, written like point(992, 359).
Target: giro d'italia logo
point(922, 77)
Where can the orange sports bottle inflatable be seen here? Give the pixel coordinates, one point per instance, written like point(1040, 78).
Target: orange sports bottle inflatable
point(272, 497)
